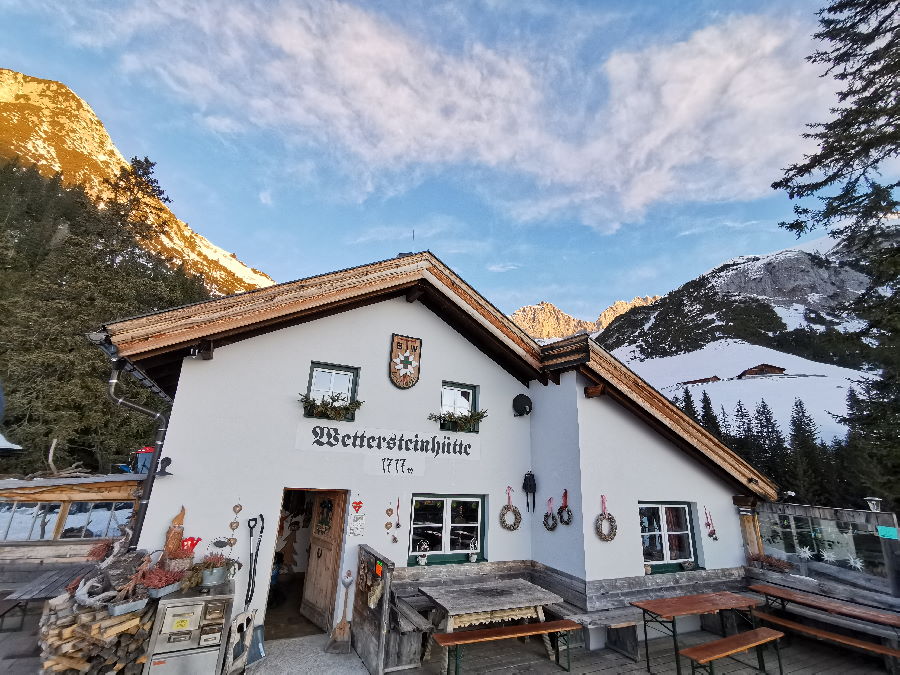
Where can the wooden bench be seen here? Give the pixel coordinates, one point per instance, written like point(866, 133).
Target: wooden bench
point(704, 656)
point(819, 634)
point(560, 628)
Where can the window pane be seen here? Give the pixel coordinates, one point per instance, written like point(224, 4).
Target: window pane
point(120, 517)
point(342, 383)
point(321, 380)
point(463, 538)
point(464, 512)
point(45, 521)
point(676, 519)
point(650, 519)
point(456, 400)
point(428, 511)
point(653, 550)
point(679, 547)
point(22, 520)
point(428, 539)
point(98, 522)
point(6, 509)
point(79, 512)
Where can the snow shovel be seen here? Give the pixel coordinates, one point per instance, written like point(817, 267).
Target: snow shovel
point(340, 636)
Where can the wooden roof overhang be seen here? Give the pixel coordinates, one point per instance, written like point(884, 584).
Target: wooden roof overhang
point(156, 344)
point(625, 387)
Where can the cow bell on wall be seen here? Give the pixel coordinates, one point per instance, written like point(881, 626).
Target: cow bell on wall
point(529, 487)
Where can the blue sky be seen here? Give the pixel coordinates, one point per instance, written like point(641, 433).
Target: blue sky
point(578, 153)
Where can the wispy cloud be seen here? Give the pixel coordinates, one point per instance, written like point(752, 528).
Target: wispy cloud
point(710, 118)
point(503, 267)
point(429, 228)
point(265, 197)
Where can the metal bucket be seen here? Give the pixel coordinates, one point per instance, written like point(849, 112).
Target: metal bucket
point(214, 577)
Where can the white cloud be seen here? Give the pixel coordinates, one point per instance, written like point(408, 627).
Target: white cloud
point(265, 197)
point(711, 118)
point(503, 267)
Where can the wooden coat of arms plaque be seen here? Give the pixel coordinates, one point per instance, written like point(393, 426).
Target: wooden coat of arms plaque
point(404, 364)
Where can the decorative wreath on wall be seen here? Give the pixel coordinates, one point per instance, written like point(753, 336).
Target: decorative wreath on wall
point(598, 526)
point(609, 519)
point(564, 513)
point(550, 521)
point(516, 514)
point(507, 509)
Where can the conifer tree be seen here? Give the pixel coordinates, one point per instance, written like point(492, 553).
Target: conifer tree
point(708, 416)
point(688, 405)
point(805, 462)
point(768, 443)
point(68, 267)
point(849, 187)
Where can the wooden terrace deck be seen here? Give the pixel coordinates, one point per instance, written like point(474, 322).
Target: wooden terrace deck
point(800, 657)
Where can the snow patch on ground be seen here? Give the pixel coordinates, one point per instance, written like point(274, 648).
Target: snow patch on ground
point(792, 316)
point(822, 387)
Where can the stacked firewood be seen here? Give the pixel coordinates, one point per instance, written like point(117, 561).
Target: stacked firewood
point(80, 639)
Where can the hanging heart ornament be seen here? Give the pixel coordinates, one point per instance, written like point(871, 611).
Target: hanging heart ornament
point(237, 508)
point(232, 541)
point(389, 512)
point(388, 525)
point(234, 525)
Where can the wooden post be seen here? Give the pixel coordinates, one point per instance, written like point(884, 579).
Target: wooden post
point(749, 523)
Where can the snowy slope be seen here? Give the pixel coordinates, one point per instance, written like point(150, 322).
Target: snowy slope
point(822, 387)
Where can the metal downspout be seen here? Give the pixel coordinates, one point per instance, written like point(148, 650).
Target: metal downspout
point(162, 426)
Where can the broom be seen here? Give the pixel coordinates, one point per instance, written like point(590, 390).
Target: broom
point(340, 636)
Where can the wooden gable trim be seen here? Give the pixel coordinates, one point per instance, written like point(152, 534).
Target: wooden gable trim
point(627, 387)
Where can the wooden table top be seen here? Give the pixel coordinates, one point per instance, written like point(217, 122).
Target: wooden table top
point(50, 584)
point(829, 605)
point(489, 596)
point(703, 603)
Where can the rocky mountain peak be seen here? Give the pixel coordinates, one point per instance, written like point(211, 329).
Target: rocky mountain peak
point(545, 320)
point(45, 123)
point(619, 307)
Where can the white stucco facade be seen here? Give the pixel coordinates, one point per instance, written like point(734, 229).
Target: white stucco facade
point(237, 434)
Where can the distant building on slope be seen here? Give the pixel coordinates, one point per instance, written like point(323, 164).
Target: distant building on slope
point(702, 380)
point(761, 369)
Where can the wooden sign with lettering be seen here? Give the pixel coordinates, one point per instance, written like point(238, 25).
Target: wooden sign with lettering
point(404, 364)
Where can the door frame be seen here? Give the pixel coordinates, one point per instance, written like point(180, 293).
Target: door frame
point(341, 543)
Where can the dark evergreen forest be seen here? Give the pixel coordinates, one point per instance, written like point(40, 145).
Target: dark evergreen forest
point(67, 266)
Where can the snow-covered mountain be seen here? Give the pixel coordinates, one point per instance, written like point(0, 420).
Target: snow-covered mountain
point(47, 124)
point(787, 309)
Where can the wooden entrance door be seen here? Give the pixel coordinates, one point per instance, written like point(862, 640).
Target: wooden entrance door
point(325, 548)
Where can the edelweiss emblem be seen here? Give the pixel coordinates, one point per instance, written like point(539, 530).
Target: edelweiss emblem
point(406, 353)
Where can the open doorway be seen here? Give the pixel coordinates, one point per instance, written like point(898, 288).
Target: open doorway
point(306, 563)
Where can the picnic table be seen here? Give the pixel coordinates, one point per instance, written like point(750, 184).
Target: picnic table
point(783, 596)
point(489, 602)
point(665, 611)
point(45, 586)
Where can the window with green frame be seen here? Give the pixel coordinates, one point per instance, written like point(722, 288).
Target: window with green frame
point(327, 379)
point(667, 535)
point(460, 399)
point(447, 528)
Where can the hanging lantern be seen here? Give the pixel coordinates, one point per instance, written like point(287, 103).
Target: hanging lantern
point(529, 487)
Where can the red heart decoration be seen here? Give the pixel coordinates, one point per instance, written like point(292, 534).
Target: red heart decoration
point(357, 506)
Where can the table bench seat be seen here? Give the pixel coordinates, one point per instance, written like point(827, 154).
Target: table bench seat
point(465, 637)
point(708, 652)
point(818, 633)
